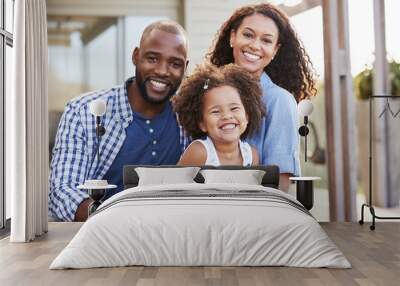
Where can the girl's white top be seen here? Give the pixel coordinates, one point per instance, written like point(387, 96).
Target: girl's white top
point(212, 156)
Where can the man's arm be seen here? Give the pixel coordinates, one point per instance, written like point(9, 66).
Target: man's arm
point(68, 167)
point(82, 212)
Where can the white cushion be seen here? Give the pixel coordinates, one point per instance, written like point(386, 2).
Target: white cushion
point(248, 177)
point(163, 176)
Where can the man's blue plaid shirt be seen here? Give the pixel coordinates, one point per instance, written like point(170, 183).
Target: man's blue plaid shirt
point(74, 151)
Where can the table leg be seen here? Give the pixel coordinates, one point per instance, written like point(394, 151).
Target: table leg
point(305, 193)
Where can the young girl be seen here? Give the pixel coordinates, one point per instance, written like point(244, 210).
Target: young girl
point(219, 107)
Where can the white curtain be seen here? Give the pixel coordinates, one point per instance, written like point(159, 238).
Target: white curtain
point(27, 123)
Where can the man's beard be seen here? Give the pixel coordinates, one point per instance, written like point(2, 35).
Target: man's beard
point(142, 88)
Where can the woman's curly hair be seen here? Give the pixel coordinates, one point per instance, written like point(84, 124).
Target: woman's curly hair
point(291, 68)
point(188, 102)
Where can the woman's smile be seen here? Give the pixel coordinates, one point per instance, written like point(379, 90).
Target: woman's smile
point(251, 57)
point(255, 43)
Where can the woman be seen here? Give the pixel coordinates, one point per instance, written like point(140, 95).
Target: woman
point(260, 39)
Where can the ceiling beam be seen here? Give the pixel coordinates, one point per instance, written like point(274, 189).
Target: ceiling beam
point(59, 40)
point(90, 33)
point(70, 18)
point(62, 31)
point(113, 8)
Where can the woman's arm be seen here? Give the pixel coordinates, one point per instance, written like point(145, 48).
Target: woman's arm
point(278, 143)
point(284, 182)
point(256, 158)
point(194, 155)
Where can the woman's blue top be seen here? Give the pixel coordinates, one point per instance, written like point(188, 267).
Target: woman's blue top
point(277, 142)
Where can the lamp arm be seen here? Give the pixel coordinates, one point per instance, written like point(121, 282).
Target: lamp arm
point(305, 144)
point(314, 131)
point(303, 131)
point(100, 131)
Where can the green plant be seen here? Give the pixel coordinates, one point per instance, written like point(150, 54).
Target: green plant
point(395, 77)
point(363, 86)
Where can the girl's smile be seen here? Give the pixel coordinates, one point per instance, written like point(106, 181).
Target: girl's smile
point(224, 118)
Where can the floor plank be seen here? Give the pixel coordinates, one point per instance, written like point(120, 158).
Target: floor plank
point(374, 255)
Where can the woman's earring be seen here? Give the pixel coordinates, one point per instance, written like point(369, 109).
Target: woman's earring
point(231, 45)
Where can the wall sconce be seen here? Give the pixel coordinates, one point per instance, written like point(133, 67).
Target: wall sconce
point(305, 108)
point(98, 108)
point(97, 188)
point(318, 154)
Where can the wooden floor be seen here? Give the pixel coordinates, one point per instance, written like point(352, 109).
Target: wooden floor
point(374, 255)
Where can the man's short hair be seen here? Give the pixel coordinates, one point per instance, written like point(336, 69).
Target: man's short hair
point(166, 26)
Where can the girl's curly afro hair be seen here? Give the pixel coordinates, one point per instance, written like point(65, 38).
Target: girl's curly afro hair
point(188, 102)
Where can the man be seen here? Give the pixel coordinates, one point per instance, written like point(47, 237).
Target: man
point(141, 127)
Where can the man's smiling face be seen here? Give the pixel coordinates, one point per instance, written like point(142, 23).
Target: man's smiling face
point(160, 65)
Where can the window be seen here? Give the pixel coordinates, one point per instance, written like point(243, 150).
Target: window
point(6, 44)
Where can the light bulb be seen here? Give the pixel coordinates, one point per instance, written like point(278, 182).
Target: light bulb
point(305, 107)
point(97, 107)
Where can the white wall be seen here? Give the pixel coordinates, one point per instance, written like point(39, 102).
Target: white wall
point(65, 73)
point(100, 57)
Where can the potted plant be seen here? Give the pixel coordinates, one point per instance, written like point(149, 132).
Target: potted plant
point(363, 85)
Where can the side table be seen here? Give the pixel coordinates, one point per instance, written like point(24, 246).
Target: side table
point(96, 190)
